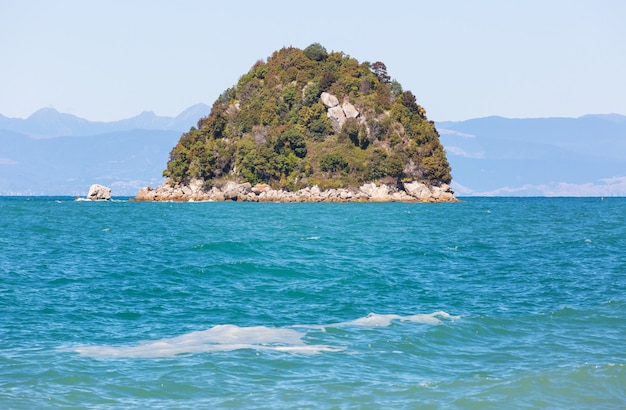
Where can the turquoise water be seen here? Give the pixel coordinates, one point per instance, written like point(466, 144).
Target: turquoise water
point(488, 303)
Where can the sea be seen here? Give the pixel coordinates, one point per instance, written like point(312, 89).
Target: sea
point(489, 303)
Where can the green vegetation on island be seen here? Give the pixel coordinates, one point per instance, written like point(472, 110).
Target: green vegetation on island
point(310, 117)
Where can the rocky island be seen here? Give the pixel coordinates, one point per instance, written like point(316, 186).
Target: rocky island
point(99, 192)
point(310, 126)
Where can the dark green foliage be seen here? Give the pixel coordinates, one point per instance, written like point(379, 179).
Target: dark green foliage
point(396, 88)
point(316, 52)
point(354, 132)
point(381, 164)
point(177, 167)
point(437, 168)
point(333, 162)
point(393, 166)
point(290, 141)
point(319, 128)
point(380, 69)
point(227, 95)
point(311, 94)
point(376, 164)
point(379, 129)
point(260, 165)
point(272, 127)
point(408, 100)
point(328, 78)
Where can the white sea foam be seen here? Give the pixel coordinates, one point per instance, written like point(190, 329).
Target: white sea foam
point(378, 320)
point(222, 338)
point(216, 339)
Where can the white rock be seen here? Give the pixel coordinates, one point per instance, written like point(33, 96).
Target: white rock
point(367, 189)
point(380, 192)
point(230, 190)
point(350, 110)
point(259, 188)
point(196, 185)
point(99, 192)
point(418, 190)
point(401, 196)
point(329, 100)
point(436, 192)
point(315, 190)
point(337, 116)
point(245, 188)
point(447, 196)
point(186, 190)
point(146, 194)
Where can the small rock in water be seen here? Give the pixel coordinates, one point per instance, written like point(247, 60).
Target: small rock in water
point(99, 192)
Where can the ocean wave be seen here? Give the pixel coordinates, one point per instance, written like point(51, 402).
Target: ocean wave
point(379, 320)
point(216, 339)
point(230, 337)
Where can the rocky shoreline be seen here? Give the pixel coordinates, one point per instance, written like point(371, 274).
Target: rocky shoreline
point(245, 192)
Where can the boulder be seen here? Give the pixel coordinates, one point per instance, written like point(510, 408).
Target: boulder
point(187, 190)
point(315, 191)
point(245, 188)
point(329, 100)
point(337, 116)
point(368, 188)
point(380, 193)
point(418, 190)
point(197, 186)
point(349, 110)
point(402, 196)
point(443, 193)
point(231, 191)
point(345, 194)
point(99, 192)
point(146, 194)
point(258, 188)
point(236, 192)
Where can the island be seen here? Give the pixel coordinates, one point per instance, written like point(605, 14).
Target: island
point(310, 126)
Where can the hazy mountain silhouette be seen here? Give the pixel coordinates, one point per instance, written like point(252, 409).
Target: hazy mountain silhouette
point(537, 156)
point(52, 153)
point(48, 122)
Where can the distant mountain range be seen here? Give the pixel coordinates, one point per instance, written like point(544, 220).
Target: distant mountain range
point(497, 156)
point(48, 122)
point(52, 153)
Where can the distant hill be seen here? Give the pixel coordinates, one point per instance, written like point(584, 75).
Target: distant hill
point(583, 156)
point(51, 153)
point(124, 161)
point(48, 122)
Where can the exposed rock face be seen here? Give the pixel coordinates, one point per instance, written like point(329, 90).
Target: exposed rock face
point(417, 190)
point(99, 192)
point(233, 191)
point(337, 117)
point(338, 113)
point(350, 110)
point(329, 100)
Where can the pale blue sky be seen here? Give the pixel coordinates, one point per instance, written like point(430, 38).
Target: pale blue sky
point(109, 60)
